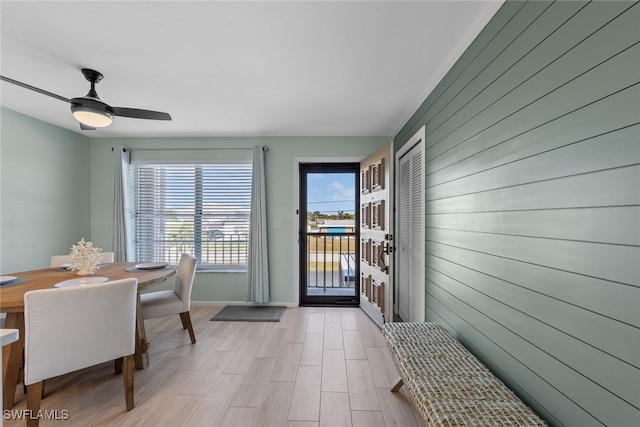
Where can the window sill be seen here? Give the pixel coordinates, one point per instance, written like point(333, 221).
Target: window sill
point(220, 270)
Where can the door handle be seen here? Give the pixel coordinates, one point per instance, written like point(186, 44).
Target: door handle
point(385, 250)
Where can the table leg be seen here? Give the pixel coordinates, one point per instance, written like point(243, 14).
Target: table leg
point(11, 359)
point(141, 356)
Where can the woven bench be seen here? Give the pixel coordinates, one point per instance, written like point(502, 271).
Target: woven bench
point(449, 385)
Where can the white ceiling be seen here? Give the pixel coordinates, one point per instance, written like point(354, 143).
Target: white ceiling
point(236, 68)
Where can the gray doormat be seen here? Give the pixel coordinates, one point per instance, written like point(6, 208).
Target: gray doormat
point(250, 313)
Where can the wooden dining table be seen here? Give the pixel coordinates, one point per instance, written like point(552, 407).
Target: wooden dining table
point(12, 303)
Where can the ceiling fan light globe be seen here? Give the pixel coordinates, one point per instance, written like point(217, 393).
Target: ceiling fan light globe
point(92, 117)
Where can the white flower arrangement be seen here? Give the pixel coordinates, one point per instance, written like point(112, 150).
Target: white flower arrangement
point(84, 258)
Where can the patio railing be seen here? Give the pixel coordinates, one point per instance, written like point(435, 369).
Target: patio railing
point(230, 250)
point(331, 260)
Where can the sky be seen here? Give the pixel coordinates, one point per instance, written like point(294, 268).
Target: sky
point(331, 192)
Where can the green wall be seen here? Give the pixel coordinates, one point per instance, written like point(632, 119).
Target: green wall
point(280, 183)
point(533, 206)
point(44, 191)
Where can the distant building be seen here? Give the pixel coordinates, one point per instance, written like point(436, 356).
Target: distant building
point(329, 226)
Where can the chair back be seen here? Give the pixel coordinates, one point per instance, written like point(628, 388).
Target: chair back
point(58, 260)
point(107, 257)
point(184, 279)
point(76, 327)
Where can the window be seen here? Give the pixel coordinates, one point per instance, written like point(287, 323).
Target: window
point(201, 209)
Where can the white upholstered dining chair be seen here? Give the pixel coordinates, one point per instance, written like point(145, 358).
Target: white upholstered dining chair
point(176, 301)
point(72, 328)
point(59, 260)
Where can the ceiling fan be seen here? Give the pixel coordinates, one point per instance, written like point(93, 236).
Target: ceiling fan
point(89, 110)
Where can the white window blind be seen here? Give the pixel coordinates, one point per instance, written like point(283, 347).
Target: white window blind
point(200, 209)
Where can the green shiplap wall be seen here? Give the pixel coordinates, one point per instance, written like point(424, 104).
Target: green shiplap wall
point(533, 206)
point(44, 191)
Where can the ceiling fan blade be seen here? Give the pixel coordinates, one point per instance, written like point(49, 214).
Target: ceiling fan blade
point(140, 114)
point(35, 89)
point(85, 127)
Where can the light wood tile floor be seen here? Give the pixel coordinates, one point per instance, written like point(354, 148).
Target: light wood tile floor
point(316, 367)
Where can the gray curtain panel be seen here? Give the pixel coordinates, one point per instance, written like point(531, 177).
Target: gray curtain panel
point(120, 203)
point(258, 265)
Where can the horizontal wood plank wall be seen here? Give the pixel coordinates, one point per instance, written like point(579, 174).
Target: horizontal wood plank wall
point(533, 206)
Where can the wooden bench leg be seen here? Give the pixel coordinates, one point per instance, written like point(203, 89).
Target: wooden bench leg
point(398, 385)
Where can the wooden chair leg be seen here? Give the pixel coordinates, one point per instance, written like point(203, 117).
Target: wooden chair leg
point(118, 365)
point(128, 364)
point(34, 399)
point(24, 386)
point(398, 385)
point(186, 323)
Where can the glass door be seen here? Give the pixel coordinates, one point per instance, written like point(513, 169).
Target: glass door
point(329, 232)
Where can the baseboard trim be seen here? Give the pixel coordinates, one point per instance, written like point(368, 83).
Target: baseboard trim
point(223, 303)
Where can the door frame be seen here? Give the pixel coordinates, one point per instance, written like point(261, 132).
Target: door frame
point(328, 168)
point(296, 217)
point(417, 138)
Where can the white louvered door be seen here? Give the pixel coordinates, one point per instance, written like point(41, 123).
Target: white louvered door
point(403, 216)
point(410, 243)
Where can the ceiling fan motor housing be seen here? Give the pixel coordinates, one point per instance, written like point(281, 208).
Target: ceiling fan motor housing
point(89, 109)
